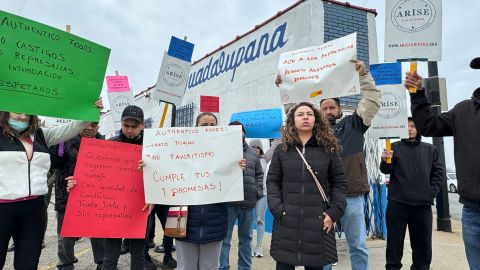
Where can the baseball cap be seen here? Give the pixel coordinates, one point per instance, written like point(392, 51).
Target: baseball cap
point(133, 112)
point(475, 63)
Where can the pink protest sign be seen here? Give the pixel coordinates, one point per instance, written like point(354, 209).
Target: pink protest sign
point(117, 84)
point(209, 104)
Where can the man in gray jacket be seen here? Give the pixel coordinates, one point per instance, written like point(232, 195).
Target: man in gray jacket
point(243, 210)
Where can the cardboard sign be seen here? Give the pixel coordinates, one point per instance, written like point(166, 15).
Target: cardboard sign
point(180, 49)
point(209, 104)
point(192, 166)
point(109, 196)
point(413, 30)
point(261, 123)
point(117, 84)
point(387, 73)
point(49, 72)
point(319, 72)
point(172, 80)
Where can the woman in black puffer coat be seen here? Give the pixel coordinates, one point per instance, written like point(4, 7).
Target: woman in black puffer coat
point(303, 233)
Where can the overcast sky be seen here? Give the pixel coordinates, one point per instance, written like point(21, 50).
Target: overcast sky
point(138, 32)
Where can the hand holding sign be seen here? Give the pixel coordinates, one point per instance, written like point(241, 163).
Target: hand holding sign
point(413, 81)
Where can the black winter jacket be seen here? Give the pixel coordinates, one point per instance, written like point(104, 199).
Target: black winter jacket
point(252, 179)
point(463, 123)
point(295, 201)
point(122, 138)
point(206, 223)
point(65, 165)
point(350, 130)
point(416, 173)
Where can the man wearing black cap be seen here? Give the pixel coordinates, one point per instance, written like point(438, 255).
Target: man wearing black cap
point(132, 132)
point(463, 123)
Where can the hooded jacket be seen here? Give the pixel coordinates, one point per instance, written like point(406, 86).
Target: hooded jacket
point(463, 123)
point(263, 161)
point(416, 172)
point(252, 179)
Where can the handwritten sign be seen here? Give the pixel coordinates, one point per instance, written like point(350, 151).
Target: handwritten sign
point(209, 104)
point(319, 72)
point(117, 84)
point(46, 71)
point(172, 80)
point(413, 30)
point(261, 123)
point(191, 166)
point(387, 73)
point(180, 49)
point(108, 199)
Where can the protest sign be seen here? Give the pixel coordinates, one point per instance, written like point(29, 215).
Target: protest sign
point(172, 80)
point(209, 104)
point(119, 96)
point(180, 49)
point(46, 71)
point(108, 199)
point(413, 30)
point(260, 123)
point(192, 166)
point(319, 72)
point(391, 120)
point(53, 122)
point(387, 73)
point(117, 84)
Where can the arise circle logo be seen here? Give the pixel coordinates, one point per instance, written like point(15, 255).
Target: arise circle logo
point(120, 102)
point(413, 15)
point(173, 75)
point(392, 105)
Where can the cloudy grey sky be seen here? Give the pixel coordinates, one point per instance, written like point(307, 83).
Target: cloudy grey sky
point(138, 32)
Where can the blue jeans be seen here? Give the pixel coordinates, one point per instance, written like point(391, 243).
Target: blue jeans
point(471, 235)
point(260, 209)
point(245, 219)
point(353, 225)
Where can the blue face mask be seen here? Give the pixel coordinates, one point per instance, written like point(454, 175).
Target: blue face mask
point(18, 125)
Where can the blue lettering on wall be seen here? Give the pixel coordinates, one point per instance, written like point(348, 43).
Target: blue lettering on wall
point(232, 61)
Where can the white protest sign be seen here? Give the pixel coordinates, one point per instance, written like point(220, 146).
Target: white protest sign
point(118, 102)
point(391, 120)
point(172, 80)
point(413, 30)
point(53, 122)
point(319, 72)
point(192, 166)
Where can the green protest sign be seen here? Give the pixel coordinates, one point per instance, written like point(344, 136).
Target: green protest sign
point(46, 71)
